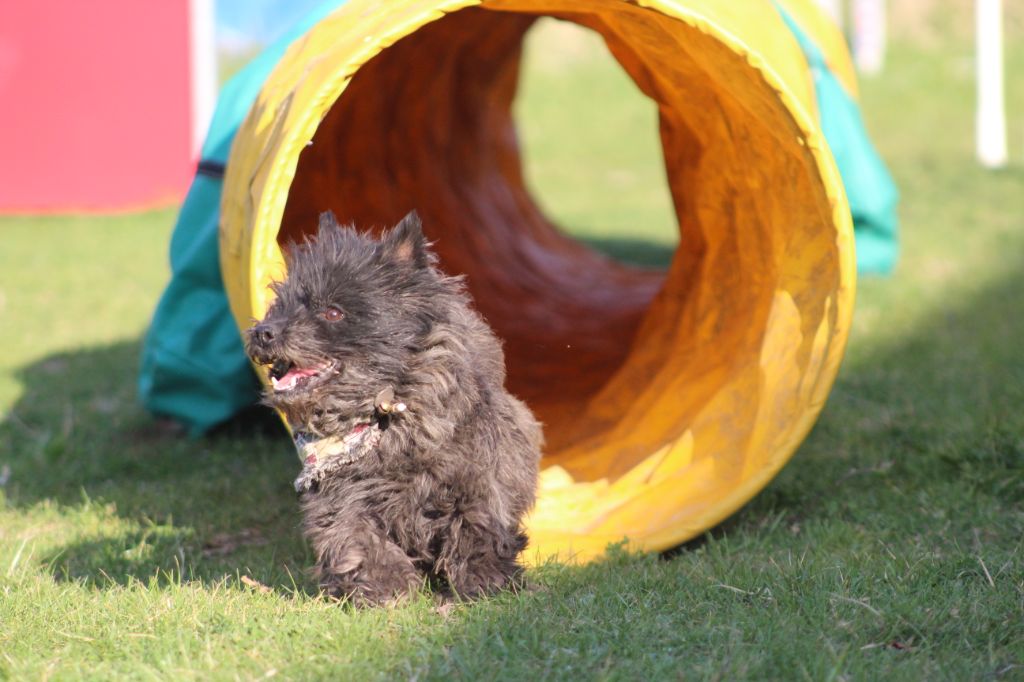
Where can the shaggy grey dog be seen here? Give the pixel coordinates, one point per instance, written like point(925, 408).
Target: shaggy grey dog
point(418, 464)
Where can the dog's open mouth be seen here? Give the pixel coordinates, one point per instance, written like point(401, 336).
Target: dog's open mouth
point(287, 376)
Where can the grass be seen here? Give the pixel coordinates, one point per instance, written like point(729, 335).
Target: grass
point(889, 548)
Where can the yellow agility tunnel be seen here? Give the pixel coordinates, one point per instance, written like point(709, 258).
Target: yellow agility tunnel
point(669, 398)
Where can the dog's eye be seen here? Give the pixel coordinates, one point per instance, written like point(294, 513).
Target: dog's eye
point(331, 314)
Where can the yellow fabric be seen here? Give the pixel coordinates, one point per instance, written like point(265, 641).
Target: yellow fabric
point(669, 399)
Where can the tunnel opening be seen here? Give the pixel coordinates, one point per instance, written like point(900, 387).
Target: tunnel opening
point(590, 146)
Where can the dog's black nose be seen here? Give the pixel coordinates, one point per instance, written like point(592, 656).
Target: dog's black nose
point(263, 333)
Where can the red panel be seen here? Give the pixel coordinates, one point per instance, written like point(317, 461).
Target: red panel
point(94, 103)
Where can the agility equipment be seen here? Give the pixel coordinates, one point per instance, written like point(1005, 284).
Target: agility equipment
point(669, 398)
point(105, 104)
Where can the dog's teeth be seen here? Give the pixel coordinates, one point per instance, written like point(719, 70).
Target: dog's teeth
point(282, 385)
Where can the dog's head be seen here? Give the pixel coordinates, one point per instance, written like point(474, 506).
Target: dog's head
point(348, 317)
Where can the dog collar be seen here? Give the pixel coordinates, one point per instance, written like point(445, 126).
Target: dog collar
point(323, 455)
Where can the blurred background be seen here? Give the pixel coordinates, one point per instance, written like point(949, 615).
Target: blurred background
point(568, 71)
point(103, 103)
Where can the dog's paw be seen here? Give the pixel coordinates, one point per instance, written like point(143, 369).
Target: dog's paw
point(372, 586)
point(368, 596)
point(484, 580)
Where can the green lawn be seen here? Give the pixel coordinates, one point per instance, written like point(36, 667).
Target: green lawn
point(891, 547)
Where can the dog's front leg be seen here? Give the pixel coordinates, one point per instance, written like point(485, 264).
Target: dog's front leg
point(481, 558)
point(358, 562)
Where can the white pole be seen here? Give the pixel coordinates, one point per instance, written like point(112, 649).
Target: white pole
point(990, 121)
point(834, 9)
point(869, 35)
point(203, 68)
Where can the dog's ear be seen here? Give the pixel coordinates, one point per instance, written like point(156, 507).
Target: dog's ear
point(328, 224)
point(406, 243)
point(327, 228)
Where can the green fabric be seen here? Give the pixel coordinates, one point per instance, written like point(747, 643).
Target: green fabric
point(869, 186)
point(193, 367)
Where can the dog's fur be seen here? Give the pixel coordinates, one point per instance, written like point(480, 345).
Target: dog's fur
point(442, 494)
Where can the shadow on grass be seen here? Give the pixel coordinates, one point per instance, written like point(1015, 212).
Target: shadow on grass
point(872, 540)
point(153, 502)
point(938, 408)
point(940, 405)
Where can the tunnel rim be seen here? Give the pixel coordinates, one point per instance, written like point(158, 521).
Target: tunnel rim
point(260, 248)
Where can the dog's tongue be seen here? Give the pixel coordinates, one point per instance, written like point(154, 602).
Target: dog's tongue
point(289, 380)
